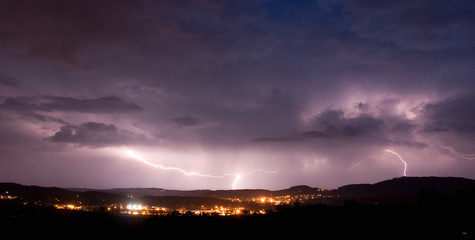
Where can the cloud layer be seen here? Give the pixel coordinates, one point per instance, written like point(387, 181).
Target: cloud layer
point(307, 87)
point(94, 134)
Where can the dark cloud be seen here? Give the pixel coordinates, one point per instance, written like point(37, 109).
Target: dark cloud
point(304, 136)
point(93, 134)
point(332, 124)
point(335, 124)
point(364, 107)
point(8, 81)
point(415, 24)
point(451, 114)
point(111, 104)
point(58, 31)
point(323, 84)
point(403, 127)
point(191, 32)
point(186, 121)
point(41, 117)
point(409, 143)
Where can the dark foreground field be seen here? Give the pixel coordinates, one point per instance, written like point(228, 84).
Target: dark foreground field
point(431, 221)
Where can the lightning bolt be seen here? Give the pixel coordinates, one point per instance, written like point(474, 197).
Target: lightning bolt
point(236, 179)
point(364, 160)
point(237, 176)
point(381, 157)
point(469, 156)
point(400, 158)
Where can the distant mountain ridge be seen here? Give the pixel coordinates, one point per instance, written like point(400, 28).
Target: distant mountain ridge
point(397, 188)
point(238, 193)
point(59, 195)
point(151, 196)
point(405, 189)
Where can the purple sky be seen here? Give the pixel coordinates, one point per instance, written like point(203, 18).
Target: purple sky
point(235, 94)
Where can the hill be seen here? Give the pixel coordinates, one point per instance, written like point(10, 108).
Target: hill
point(448, 204)
point(239, 193)
point(405, 187)
point(55, 195)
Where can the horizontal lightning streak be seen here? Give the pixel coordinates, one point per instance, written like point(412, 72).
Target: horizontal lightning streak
point(381, 157)
point(469, 156)
point(364, 160)
point(237, 176)
point(141, 159)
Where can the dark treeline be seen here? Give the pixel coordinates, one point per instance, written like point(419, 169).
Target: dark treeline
point(435, 216)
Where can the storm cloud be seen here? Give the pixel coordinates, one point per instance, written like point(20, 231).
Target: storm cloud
point(452, 114)
point(185, 121)
point(332, 125)
point(310, 88)
point(110, 104)
point(94, 134)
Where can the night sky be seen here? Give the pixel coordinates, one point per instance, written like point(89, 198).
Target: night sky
point(203, 94)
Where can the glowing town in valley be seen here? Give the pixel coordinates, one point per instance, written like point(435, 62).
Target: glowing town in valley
point(239, 206)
